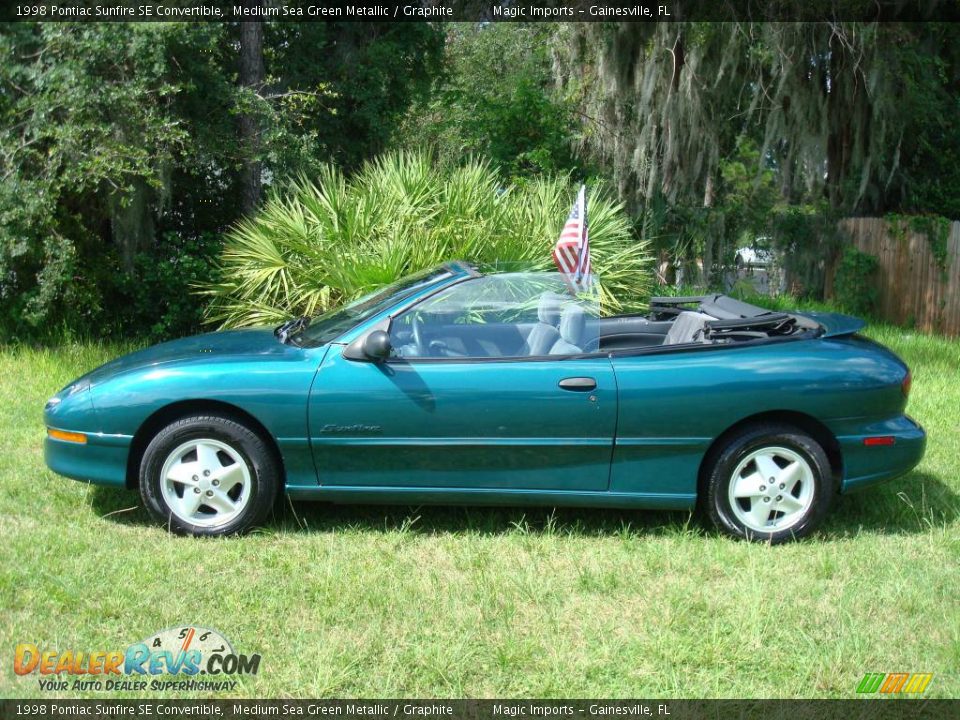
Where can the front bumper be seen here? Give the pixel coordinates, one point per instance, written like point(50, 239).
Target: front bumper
point(102, 460)
point(865, 466)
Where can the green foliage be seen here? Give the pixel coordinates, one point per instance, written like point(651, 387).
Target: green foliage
point(928, 180)
point(937, 231)
point(371, 73)
point(104, 126)
point(747, 192)
point(745, 209)
point(935, 228)
point(717, 135)
point(333, 239)
point(154, 302)
point(161, 303)
point(85, 131)
point(116, 139)
point(805, 235)
point(497, 101)
point(859, 113)
point(119, 139)
point(854, 286)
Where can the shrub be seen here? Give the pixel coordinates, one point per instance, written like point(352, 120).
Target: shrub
point(854, 286)
point(161, 302)
point(330, 240)
point(91, 295)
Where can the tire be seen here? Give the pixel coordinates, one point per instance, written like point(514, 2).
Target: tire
point(209, 459)
point(742, 502)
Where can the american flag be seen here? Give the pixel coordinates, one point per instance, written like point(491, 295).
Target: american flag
point(572, 251)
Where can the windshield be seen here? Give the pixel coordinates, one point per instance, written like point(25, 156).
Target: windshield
point(333, 323)
point(498, 316)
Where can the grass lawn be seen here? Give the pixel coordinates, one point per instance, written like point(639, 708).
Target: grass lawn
point(442, 602)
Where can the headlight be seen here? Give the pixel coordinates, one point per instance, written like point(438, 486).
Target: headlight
point(69, 390)
point(77, 387)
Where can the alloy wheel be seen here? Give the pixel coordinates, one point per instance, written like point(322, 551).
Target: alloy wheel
point(205, 482)
point(771, 489)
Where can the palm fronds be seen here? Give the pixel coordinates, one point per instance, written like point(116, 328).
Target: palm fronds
point(329, 240)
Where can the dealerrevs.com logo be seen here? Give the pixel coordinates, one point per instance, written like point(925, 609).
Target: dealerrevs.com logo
point(187, 658)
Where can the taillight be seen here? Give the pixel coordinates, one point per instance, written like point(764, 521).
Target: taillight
point(906, 384)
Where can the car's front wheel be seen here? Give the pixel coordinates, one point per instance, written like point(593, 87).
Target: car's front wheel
point(208, 475)
point(769, 483)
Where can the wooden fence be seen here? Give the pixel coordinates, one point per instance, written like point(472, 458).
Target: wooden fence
point(913, 289)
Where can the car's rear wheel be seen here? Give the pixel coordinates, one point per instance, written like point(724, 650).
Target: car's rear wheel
point(769, 483)
point(208, 475)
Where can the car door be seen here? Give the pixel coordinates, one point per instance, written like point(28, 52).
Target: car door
point(538, 424)
point(463, 402)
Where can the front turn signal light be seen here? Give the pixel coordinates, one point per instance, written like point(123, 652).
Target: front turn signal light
point(66, 436)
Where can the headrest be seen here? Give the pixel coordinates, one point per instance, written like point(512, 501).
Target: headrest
point(572, 324)
point(548, 311)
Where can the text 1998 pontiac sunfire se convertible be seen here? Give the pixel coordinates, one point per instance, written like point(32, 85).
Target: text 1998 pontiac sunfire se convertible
point(454, 386)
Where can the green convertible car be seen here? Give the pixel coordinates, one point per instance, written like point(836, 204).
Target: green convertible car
point(455, 386)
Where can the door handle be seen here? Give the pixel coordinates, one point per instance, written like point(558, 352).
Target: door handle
point(578, 384)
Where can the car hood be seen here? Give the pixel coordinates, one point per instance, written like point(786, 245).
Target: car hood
point(247, 343)
point(836, 324)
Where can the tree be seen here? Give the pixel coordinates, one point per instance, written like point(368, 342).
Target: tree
point(120, 142)
point(252, 75)
point(831, 107)
point(87, 143)
point(497, 101)
point(371, 73)
point(826, 100)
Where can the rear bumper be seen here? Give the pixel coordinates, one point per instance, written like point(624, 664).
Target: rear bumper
point(102, 460)
point(865, 466)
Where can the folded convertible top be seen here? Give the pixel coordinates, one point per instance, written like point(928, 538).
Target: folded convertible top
point(731, 314)
point(721, 307)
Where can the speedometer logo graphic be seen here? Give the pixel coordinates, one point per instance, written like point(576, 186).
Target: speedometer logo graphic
point(185, 638)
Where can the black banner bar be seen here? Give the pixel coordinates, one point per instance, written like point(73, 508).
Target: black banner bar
point(479, 10)
point(865, 709)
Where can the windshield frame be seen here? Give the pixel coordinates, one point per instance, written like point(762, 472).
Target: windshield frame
point(379, 303)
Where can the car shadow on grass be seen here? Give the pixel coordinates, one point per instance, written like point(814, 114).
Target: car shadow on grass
point(124, 507)
point(909, 505)
point(481, 520)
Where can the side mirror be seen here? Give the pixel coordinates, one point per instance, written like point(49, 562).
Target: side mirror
point(376, 345)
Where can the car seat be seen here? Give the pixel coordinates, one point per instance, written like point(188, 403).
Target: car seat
point(573, 325)
point(544, 334)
